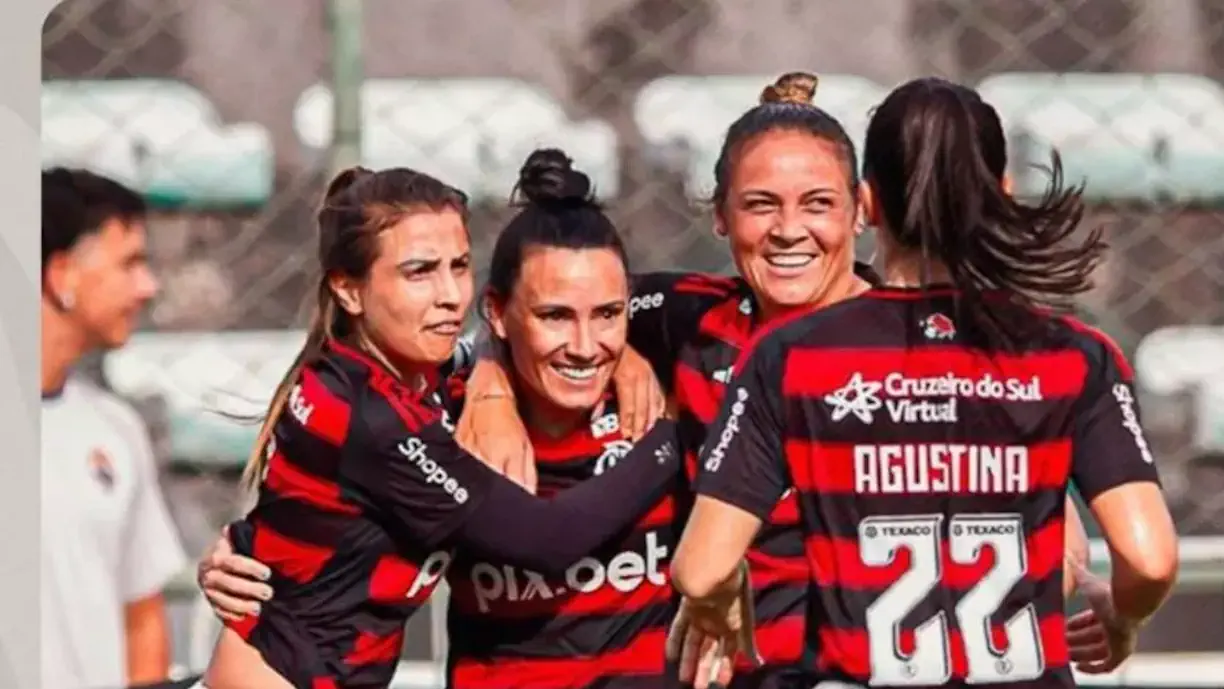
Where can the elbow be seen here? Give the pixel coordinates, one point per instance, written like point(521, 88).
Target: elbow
point(1142, 584)
point(697, 582)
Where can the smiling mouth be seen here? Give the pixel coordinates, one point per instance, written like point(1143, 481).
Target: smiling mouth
point(576, 373)
point(445, 328)
point(790, 260)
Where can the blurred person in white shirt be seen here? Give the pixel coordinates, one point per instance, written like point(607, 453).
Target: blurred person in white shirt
point(109, 546)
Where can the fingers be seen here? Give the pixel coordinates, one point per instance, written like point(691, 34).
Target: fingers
point(1084, 619)
point(627, 395)
point(222, 581)
point(709, 665)
point(677, 633)
point(228, 607)
point(690, 655)
point(242, 566)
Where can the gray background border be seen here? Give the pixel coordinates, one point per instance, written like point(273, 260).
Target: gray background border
point(20, 49)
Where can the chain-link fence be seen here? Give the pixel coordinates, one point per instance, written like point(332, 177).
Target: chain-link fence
point(224, 113)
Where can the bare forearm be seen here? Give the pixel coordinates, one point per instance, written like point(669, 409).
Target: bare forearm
point(148, 641)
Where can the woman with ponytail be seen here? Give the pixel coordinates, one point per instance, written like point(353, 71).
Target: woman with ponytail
point(930, 429)
point(362, 493)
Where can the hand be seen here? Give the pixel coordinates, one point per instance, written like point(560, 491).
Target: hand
point(233, 584)
point(639, 394)
point(707, 635)
point(490, 429)
point(1098, 640)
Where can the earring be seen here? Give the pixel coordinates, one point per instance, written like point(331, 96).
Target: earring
point(67, 301)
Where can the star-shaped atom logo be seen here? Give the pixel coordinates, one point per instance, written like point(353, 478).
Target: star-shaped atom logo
point(859, 397)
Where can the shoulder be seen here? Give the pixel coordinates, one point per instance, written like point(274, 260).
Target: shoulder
point(1099, 349)
point(653, 290)
point(811, 327)
point(109, 407)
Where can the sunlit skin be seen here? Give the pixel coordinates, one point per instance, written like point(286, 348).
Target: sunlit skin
point(412, 302)
point(790, 218)
point(566, 324)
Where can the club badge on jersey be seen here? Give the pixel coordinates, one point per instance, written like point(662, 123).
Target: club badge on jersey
point(102, 469)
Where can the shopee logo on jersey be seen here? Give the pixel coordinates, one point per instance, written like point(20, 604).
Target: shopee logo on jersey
point(729, 430)
point(645, 302)
point(414, 451)
point(1130, 419)
point(625, 572)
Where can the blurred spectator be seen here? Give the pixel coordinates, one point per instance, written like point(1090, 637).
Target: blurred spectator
point(109, 546)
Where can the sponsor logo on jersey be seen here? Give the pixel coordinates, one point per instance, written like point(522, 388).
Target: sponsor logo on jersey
point(625, 572)
point(645, 302)
point(1130, 419)
point(605, 425)
point(909, 400)
point(413, 449)
point(729, 430)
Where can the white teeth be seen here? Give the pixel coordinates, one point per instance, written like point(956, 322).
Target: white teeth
point(790, 260)
point(577, 373)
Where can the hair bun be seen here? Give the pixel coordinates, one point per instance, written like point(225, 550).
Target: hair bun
point(792, 87)
point(345, 179)
point(548, 177)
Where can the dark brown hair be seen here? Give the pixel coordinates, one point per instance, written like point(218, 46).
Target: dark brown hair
point(556, 209)
point(785, 104)
point(936, 156)
point(357, 206)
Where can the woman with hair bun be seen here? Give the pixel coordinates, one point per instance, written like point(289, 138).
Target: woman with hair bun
point(787, 200)
point(930, 429)
point(363, 495)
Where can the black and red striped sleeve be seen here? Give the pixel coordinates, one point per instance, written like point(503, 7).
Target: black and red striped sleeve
point(742, 462)
point(1109, 447)
point(406, 467)
point(665, 313)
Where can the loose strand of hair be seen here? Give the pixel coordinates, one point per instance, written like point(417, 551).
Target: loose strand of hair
point(317, 335)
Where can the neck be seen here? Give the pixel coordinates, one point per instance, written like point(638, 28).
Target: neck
point(908, 269)
point(847, 284)
point(63, 345)
point(551, 421)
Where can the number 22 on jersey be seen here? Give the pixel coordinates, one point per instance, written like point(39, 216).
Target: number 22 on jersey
point(881, 538)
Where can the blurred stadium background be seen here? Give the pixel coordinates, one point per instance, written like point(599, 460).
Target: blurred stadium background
point(230, 116)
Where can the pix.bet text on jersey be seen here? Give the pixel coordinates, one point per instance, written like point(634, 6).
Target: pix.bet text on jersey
point(602, 625)
point(364, 497)
point(931, 478)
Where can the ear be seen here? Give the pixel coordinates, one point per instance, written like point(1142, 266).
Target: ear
point(495, 311)
point(348, 293)
point(720, 225)
point(1009, 184)
point(61, 279)
point(869, 207)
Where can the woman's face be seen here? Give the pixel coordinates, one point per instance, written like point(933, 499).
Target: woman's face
point(790, 217)
point(566, 323)
point(418, 290)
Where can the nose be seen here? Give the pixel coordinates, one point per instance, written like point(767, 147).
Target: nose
point(789, 230)
point(147, 284)
point(449, 293)
point(582, 346)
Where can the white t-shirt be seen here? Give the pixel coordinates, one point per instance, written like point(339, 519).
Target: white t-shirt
point(107, 538)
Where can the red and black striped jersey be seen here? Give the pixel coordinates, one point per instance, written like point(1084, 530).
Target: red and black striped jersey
point(705, 322)
point(931, 476)
point(600, 624)
point(364, 498)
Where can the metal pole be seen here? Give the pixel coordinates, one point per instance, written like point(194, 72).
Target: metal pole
point(347, 73)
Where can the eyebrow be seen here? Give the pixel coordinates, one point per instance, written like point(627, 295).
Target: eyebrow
point(429, 262)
